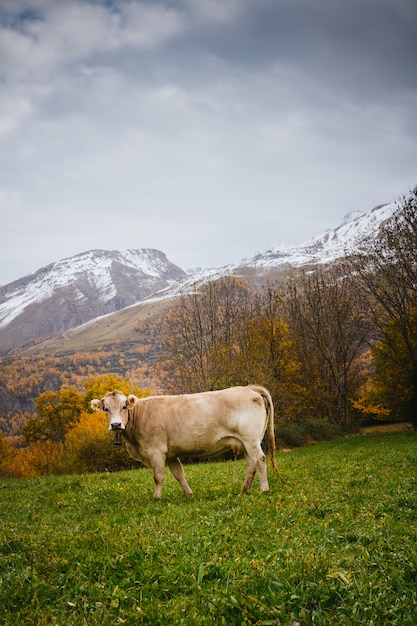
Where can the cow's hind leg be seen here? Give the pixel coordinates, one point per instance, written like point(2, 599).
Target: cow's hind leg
point(177, 469)
point(250, 471)
point(261, 467)
point(255, 461)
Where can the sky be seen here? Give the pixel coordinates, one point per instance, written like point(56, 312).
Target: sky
point(208, 129)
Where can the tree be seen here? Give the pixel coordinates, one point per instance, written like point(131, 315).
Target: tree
point(387, 267)
point(394, 381)
point(56, 411)
point(98, 386)
point(65, 438)
point(329, 326)
point(5, 453)
point(225, 335)
point(268, 354)
point(201, 337)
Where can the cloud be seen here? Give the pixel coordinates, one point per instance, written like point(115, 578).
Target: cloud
point(208, 129)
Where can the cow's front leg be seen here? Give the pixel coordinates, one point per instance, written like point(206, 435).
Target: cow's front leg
point(177, 469)
point(158, 466)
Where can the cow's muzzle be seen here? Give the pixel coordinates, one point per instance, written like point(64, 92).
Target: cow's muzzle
point(116, 428)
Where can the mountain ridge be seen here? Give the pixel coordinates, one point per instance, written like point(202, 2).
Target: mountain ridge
point(65, 296)
point(69, 292)
point(331, 245)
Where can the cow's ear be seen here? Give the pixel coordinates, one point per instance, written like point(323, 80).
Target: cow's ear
point(96, 405)
point(131, 401)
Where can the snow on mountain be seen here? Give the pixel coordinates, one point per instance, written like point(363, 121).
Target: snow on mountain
point(73, 290)
point(79, 289)
point(333, 244)
point(96, 268)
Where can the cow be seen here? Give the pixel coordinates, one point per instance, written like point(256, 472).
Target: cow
point(157, 430)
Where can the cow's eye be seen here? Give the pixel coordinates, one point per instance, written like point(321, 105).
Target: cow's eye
point(105, 409)
point(124, 407)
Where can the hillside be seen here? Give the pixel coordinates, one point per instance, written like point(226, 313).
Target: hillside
point(67, 294)
point(113, 330)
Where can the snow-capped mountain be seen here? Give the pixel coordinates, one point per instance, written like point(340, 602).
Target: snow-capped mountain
point(74, 290)
point(333, 244)
point(71, 292)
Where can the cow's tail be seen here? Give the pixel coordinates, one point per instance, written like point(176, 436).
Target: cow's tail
point(269, 406)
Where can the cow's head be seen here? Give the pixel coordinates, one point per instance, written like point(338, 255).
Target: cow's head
point(116, 405)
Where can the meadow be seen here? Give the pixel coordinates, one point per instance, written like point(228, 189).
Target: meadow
point(336, 544)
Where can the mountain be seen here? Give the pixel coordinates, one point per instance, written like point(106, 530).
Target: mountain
point(99, 297)
point(72, 291)
point(333, 244)
point(282, 259)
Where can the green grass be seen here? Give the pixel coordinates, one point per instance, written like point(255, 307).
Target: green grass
point(336, 545)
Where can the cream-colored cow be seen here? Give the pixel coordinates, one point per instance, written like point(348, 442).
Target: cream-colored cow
point(159, 429)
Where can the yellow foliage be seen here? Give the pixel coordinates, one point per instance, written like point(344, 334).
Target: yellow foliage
point(97, 387)
point(90, 426)
point(40, 459)
point(89, 446)
point(367, 405)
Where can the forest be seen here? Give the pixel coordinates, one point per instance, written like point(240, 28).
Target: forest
point(336, 346)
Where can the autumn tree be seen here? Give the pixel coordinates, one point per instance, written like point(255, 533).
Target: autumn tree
point(56, 411)
point(387, 267)
point(391, 393)
point(65, 437)
point(41, 458)
point(267, 354)
point(5, 454)
point(224, 335)
point(329, 326)
point(200, 344)
point(98, 386)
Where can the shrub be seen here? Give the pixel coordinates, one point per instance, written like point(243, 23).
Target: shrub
point(319, 429)
point(42, 458)
point(292, 436)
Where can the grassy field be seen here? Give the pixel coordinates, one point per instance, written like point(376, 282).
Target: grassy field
point(336, 545)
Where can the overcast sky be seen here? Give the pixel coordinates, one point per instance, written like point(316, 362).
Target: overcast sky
point(209, 129)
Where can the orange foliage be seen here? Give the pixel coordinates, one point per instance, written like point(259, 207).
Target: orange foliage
point(25, 378)
point(40, 459)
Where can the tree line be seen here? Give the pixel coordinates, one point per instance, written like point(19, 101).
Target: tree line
point(336, 345)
